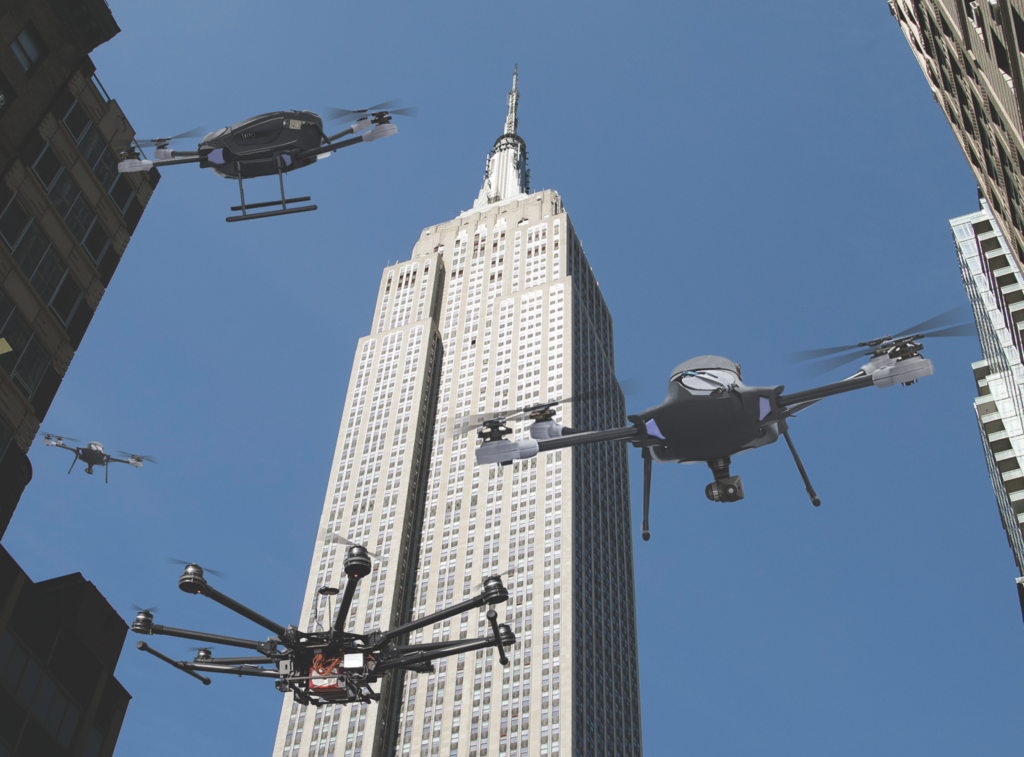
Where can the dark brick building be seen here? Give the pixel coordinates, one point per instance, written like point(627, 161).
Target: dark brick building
point(66, 215)
point(59, 644)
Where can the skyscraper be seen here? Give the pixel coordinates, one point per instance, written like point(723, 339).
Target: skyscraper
point(970, 53)
point(66, 215)
point(995, 285)
point(495, 309)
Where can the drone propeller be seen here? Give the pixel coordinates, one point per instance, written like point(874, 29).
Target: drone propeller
point(147, 458)
point(60, 438)
point(954, 315)
point(474, 422)
point(336, 114)
point(162, 141)
point(150, 610)
point(509, 573)
point(930, 328)
point(175, 561)
point(339, 539)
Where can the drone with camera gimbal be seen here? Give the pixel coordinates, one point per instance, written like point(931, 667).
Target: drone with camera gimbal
point(92, 454)
point(268, 144)
point(710, 415)
point(330, 666)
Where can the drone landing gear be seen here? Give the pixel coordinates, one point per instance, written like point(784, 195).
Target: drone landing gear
point(283, 202)
point(803, 474)
point(725, 488)
point(647, 494)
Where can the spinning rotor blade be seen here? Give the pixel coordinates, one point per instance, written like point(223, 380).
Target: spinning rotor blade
point(197, 132)
point(217, 573)
point(339, 539)
point(959, 313)
point(62, 438)
point(478, 421)
point(335, 114)
point(964, 329)
point(477, 588)
point(150, 610)
point(466, 424)
point(799, 357)
point(147, 458)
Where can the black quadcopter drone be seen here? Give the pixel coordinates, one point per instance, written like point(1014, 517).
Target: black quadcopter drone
point(273, 143)
point(92, 454)
point(327, 667)
point(710, 415)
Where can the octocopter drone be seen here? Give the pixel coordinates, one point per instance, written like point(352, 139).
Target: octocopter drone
point(332, 666)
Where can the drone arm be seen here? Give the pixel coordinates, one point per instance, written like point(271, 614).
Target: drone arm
point(238, 661)
point(182, 666)
point(494, 592)
point(589, 437)
point(427, 620)
point(420, 653)
point(346, 603)
point(245, 612)
point(135, 166)
point(323, 149)
point(209, 638)
point(238, 670)
point(361, 125)
point(829, 390)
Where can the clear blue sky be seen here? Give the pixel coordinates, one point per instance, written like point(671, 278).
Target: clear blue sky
point(747, 178)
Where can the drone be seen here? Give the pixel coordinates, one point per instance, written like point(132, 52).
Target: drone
point(710, 415)
point(332, 666)
point(272, 143)
point(92, 454)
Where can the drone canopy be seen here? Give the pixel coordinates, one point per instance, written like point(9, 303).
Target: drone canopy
point(706, 363)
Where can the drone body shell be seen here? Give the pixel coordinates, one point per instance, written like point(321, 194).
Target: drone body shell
point(709, 414)
point(251, 145)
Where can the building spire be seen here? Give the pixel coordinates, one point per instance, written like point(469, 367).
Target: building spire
point(506, 175)
point(512, 119)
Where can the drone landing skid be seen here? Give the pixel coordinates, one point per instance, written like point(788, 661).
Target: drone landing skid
point(283, 202)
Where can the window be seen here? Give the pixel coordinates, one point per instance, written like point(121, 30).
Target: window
point(23, 677)
point(42, 265)
point(27, 48)
point(71, 204)
point(99, 158)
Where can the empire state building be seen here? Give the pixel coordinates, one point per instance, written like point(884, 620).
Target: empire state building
point(495, 309)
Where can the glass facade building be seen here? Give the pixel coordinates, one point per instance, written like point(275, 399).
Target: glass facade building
point(995, 284)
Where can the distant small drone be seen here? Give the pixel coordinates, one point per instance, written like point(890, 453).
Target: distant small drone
point(92, 454)
point(273, 143)
point(710, 415)
point(333, 666)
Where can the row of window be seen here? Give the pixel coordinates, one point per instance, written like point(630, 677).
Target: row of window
point(23, 677)
point(35, 254)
